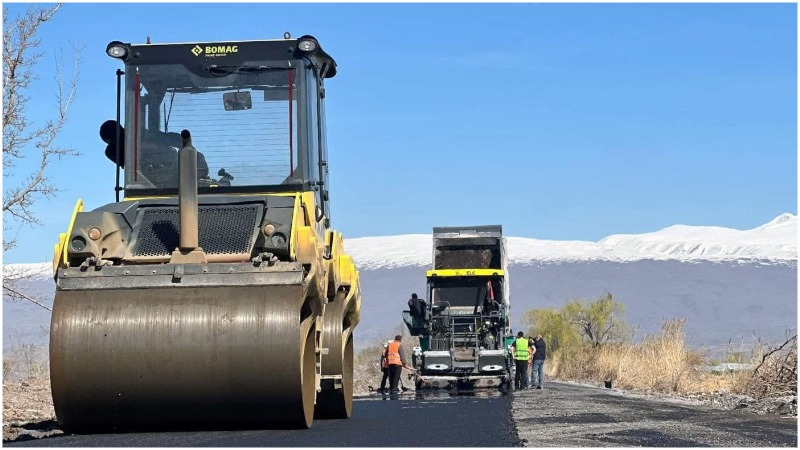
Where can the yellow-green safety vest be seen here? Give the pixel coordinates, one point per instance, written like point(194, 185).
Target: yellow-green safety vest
point(521, 345)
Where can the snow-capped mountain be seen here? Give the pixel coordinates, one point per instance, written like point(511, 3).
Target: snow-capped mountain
point(731, 285)
point(776, 240)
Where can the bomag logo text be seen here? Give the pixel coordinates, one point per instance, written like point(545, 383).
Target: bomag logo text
point(215, 50)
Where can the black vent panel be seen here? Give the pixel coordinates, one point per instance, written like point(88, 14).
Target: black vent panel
point(224, 229)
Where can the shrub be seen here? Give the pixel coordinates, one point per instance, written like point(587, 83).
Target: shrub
point(775, 374)
point(589, 341)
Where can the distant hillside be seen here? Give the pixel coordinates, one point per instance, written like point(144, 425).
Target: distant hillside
point(722, 300)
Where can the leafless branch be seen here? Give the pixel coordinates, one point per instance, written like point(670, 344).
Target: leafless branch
point(776, 374)
point(21, 137)
point(11, 290)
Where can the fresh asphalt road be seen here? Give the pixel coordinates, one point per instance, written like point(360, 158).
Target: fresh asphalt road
point(441, 421)
point(561, 415)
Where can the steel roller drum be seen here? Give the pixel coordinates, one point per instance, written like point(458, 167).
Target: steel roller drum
point(337, 337)
point(182, 357)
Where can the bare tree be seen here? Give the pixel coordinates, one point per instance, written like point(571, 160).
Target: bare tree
point(776, 374)
point(22, 137)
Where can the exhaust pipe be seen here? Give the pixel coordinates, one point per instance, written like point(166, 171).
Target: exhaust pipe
point(188, 250)
point(187, 194)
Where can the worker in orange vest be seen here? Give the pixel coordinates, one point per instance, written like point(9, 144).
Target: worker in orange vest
point(396, 359)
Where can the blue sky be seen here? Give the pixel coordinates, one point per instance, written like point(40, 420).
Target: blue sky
point(558, 121)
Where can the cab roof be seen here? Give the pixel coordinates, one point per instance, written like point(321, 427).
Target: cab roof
point(229, 53)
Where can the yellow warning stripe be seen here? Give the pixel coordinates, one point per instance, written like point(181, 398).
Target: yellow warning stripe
point(465, 273)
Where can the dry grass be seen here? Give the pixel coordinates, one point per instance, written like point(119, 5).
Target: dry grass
point(661, 363)
point(366, 368)
point(9, 367)
point(23, 361)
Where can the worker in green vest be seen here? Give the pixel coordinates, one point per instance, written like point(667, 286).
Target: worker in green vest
point(521, 354)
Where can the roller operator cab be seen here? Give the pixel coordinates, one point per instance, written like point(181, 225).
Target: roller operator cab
point(215, 294)
point(465, 323)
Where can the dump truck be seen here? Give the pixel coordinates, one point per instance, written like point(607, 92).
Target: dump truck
point(215, 294)
point(464, 324)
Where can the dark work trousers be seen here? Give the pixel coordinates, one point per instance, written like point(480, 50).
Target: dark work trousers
point(384, 378)
point(394, 375)
point(521, 377)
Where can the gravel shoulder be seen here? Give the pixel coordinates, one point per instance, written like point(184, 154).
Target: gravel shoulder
point(579, 415)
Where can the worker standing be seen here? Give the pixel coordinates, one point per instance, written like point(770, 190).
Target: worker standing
point(538, 362)
point(384, 367)
point(396, 360)
point(415, 306)
point(521, 357)
point(531, 356)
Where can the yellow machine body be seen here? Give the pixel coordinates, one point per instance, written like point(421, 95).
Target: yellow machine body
point(250, 326)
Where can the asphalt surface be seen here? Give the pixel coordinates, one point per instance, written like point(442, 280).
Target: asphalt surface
point(403, 421)
point(560, 415)
point(569, 415)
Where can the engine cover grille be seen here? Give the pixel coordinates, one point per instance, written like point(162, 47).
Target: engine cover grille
point(224, 229)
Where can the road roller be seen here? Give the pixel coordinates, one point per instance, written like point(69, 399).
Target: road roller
point(214, 294)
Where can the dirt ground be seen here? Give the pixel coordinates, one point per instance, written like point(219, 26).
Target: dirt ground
point(28, 409)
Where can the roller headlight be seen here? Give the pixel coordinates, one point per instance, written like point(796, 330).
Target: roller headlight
point(117, 50)
point(307, 45)
point(78, 243)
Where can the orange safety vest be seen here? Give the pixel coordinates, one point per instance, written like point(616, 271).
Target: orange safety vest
point(393, 354)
